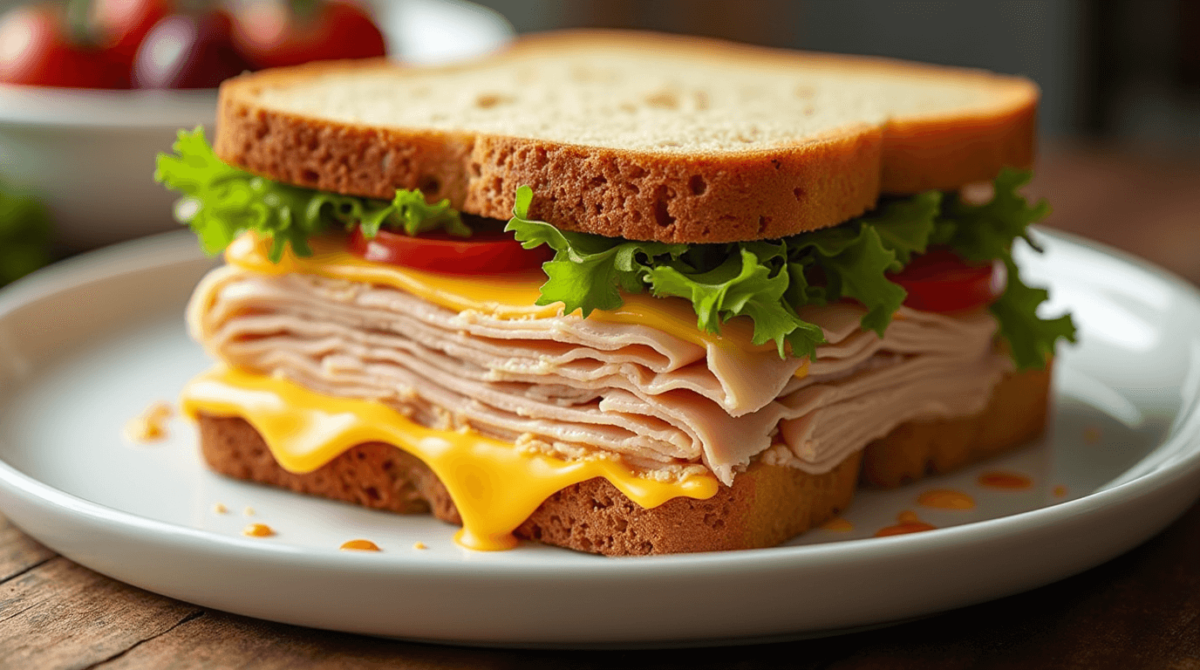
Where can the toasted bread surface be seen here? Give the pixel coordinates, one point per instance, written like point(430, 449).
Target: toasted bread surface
point(634, 135)
point(766, 505)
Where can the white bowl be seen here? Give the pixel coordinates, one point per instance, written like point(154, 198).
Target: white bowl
point(89, 154)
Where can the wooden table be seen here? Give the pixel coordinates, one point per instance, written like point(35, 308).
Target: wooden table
point(1139, 610)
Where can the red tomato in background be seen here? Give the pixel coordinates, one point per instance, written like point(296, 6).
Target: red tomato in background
point(939, 281)
point(188, 51)
point(37, 49)
point(123, 24)
point(270, 33)
point(482, 253)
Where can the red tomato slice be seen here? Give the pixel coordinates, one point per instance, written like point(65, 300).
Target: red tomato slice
point(939, 281)
point(482, 253)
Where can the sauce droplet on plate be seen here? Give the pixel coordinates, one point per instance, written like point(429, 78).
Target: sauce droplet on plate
point(905, 528)
point(1060, 491)
point(258, 530)
point(151, 426)
point(908, 522)
point(1005, 480)
point(946, 499)
point(838, 524)
point(359, 545)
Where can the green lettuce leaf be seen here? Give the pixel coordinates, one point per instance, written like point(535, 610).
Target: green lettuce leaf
point(905, 225)
point(765, 280)
point(854, 262)
point(1030, 338)
point(747, 284)
point(588, 271)
point(768, 281)
point(987, 231)
point(221, 202)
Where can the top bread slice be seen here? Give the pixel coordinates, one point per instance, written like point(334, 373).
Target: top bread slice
point(634, 135)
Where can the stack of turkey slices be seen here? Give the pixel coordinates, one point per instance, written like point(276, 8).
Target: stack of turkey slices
point(712, 336)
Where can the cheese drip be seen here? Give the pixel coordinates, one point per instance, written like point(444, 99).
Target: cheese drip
point(494, 485)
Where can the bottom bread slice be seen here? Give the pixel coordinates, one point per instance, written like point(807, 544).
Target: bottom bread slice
point(766, 505)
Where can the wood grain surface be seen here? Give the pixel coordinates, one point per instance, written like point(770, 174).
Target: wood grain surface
point(1141, 610)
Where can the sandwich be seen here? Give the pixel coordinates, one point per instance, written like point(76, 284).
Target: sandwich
point(622, 293)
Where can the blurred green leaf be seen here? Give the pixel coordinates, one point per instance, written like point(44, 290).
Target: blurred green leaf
point(25, 234)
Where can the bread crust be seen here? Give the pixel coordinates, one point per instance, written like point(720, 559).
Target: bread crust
point(766, 505)
point(641, 195)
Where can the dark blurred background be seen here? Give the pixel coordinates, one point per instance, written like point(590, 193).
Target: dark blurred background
point(1125, 71)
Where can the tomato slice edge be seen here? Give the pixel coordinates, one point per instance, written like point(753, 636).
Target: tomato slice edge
point(482, 253)
point(940, 281)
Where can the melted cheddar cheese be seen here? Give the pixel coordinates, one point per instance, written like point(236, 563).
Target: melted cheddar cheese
point(494, 485)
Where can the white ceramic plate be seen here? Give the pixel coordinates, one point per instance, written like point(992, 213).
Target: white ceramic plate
point(88, 344)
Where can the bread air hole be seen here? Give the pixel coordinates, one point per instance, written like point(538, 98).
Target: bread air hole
point(697, 185)
point(661, 216)
point(662, 200)
point(429, 185)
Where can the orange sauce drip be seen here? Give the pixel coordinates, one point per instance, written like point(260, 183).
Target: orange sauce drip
point(420, 545)
point(258, 530)
point(151, 425)
point(838, 524)
point(946, 499)
point(1005, 480)
point(1091, 435)
point(905, 528)
point(908, 522)
point(1060, 491)
point(359, 545)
